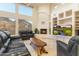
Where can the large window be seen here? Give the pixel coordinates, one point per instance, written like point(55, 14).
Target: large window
point(24, 10)
point(8, 21)
point(7, 24)
point(9, 7)
point(23, 24)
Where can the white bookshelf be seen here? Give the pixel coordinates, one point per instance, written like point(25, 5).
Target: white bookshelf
point(69, 17)
point(66, 18)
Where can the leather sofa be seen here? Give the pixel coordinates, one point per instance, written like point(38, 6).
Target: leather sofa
point(16, 48)
point(4, 40)
point(9, 46)
point(26, 35)
point(70, 49)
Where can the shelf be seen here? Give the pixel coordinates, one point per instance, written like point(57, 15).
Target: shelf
point(68, 13)
point(77, 13)
point(66, 18)
point(61, 15)
point(77, 20)
point(77, 17)
point(54, 20)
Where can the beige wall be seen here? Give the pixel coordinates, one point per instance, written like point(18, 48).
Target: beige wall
point(41, 14)
point(34, 17)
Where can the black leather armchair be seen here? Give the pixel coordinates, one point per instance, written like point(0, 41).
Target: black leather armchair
point(15, 48)
point(10, 46)
point(4, 40)
point(70, 49)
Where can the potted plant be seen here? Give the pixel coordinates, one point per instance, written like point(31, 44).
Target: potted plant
point(67, 31)
point(36, 31)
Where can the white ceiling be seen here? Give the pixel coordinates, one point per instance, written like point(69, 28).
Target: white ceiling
point(39, 4)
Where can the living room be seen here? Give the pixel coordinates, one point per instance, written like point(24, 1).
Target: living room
point(41, 27)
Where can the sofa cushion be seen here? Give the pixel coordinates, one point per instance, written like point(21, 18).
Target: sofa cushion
point(1, 43)
point(4, 40)
point(4, 36)
point(22, 51)
point(16, 43)
point(72, 42)
point(2, 50)
point(7, 43)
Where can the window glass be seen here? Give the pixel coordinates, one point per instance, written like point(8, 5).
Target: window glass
point(25, 10)
point(9, 7)
point(24, 25)
point(7, 24)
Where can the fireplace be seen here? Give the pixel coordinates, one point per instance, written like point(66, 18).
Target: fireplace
point(43, 31)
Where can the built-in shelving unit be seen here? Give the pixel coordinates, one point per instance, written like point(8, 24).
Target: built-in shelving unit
point(68, 13)
point(66, 21)
point(55, 21)
point(66, 18)
point(77, 22)
point(61, 15)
